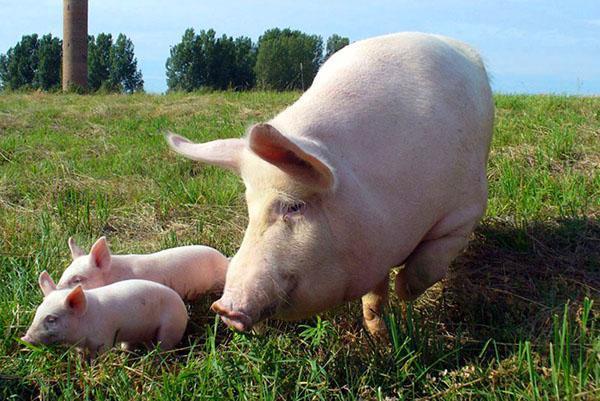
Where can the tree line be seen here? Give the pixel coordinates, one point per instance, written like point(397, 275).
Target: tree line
point(282, 59)
point(35, 63)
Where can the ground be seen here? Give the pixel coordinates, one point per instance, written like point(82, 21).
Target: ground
point(516, 319)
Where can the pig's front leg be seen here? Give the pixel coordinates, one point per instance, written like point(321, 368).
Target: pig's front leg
point(92, 350)
point(372, 304)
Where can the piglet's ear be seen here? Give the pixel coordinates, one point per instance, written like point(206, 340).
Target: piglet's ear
point(46, 283)
point(100, 254)
point(76, 301)
point(76, 251)
point(272, 146)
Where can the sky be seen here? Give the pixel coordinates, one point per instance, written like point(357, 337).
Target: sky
point(529, 46)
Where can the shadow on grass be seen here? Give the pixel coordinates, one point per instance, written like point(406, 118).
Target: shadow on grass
point(506, 286)
point(16, 388)
point(512, 279)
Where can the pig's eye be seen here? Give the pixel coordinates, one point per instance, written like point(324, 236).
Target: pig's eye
point(51, 319)
point(293, 209)
point(77, 280)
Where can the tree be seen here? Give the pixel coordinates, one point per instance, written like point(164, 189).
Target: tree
point(20, 63)
point(32, 63)
point(288, 59)
point(184, 65)
point(47, 75)
point(36, 63)
point(204, 61)
point(213, 60)
point(334, 43)
point(124, 74)
point(224, 64)
point(3, 70)
point(99, 60)
point(245, 59)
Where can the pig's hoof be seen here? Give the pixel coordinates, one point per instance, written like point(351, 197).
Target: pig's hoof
point(127, 347)
point(259, 328)
point(377, 328)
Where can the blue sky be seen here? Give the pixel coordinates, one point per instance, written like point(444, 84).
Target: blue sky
point(529, 46)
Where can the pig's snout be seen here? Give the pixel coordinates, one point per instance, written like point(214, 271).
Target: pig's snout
point(28, 339)
point(236, 319)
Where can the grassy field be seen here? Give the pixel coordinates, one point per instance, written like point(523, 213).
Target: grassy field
point(517, 319)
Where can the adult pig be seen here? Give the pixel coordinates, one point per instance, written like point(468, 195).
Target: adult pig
point(128, 312)
point(381, 163)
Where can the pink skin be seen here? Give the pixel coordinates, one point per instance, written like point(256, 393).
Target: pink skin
point(28, 339)
point(381, 163)
point(128, 312)
point(191, 271)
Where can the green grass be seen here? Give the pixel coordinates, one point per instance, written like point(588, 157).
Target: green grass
point(517, 318)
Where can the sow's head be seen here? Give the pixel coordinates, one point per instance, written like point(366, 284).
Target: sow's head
point(292, 260)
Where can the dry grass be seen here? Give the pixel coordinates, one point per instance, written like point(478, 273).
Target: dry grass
point(494, 329)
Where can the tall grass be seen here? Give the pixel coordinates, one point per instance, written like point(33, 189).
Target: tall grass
point(517, 318)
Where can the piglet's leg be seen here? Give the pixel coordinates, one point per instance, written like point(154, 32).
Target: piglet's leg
point(372, 304)
point(127, 347)
point(95, 349)
point(168, 336)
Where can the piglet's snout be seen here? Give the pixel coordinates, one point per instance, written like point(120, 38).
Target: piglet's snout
point(236, 319)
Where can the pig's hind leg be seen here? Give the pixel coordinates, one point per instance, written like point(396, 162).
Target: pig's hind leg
point(429, 262)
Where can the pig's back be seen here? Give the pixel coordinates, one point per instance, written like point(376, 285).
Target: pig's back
point(408, 115)
point(190, 270)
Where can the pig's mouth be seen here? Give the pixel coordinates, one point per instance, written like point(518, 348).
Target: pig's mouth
point(243, 321)
point(238, 320)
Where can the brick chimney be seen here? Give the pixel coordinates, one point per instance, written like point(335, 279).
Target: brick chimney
point(75, 44)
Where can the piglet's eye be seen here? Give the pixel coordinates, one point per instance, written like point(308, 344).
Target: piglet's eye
point(76, 280)
point(50, 319)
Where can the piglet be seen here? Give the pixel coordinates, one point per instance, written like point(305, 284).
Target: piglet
point(189, 270)
point(128, 312)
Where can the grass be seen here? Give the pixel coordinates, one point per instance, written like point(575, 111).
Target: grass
point(517, 318)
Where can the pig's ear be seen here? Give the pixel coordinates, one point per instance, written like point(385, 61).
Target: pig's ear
point(270, 145)
point(76, 251)
point(225, 153)
point(76, 301)
point(46, 283)
point(100, 254)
